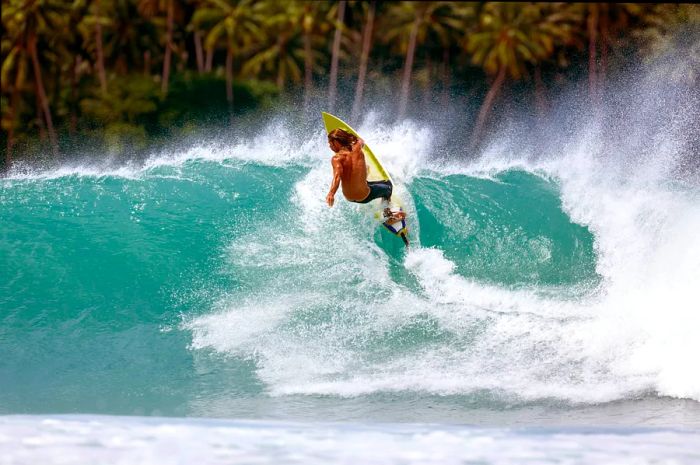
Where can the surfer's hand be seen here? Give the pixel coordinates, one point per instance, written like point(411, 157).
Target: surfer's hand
point(330, 199)
point(358, 144)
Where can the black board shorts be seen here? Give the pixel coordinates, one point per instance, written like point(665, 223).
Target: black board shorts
point(378, 189)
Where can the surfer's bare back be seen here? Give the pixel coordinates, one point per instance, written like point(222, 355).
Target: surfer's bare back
point(350, 171)
point(349, 167)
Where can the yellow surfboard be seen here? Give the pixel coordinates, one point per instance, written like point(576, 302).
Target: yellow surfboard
point(376, 172)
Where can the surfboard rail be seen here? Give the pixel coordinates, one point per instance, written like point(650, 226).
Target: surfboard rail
point(380, 174)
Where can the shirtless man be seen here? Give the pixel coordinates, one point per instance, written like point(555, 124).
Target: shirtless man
point(350, 171)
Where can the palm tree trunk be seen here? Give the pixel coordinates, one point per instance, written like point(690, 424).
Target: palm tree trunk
point(307, 70)
point(407, 69)
point(592, 45)
point(168, 49)
point(282, 47)
point(198, 51)
point(229, 82)
point(57, 75)
point(332, 86)
point(41, 124)
point(14, 103)
point(147, 63)
point(11, 130)
point(100, 53)
point(208, 61)
point(43, 100)
point(366, 44)
point(486, 107)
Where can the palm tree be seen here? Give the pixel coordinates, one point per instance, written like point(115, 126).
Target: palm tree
point(444, 27)
point(197, 39)
point(170, 8)
point(603, 21)
point(557, 28)
point(364, 56)
point(107, 29)
point(128, 36)
point(26, 22)
point(410, 24)
point(149, 9)
point(237, 24)
point(508, 38)
point(332, 86)
point(287, 45)
point(312, 26)
point(70, 61)
point(91, 26)
point(14, 73)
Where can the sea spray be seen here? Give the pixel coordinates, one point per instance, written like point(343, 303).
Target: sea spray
point(214, 279)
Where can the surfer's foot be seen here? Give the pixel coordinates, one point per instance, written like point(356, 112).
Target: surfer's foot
point(393, 217)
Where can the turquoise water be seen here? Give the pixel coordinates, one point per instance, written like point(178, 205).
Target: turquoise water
point(102, 271)
point(215, 282)
point(114, 261)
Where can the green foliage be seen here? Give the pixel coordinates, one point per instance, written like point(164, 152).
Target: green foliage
point(258, 49)
point(133, 111)
point(121, 137)
point(279, 53)
point(129, 99)
point(438, 22)
point(513, 36)
point(197, 98)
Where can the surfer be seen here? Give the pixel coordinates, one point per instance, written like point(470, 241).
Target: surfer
point(350, 172)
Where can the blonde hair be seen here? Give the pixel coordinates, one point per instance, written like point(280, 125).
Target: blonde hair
point(343, 137)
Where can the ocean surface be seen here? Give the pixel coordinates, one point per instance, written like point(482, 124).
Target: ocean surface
point(207, 301)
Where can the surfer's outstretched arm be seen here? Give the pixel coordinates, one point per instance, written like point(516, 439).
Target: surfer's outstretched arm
point(337, 173)
point(357, 146)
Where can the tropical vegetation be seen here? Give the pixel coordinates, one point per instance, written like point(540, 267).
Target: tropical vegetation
point(119, 74)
